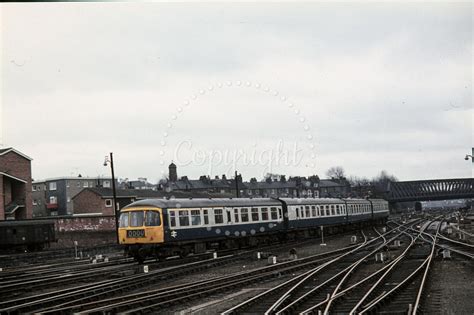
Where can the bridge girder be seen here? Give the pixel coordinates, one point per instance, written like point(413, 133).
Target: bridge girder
point(425, 190)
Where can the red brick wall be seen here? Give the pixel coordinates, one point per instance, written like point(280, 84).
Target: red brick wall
point(18, 166)
point(7, 190)
point(95, 223)
point(89, 202)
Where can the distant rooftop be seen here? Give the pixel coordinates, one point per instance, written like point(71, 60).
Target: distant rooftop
point(70, 178)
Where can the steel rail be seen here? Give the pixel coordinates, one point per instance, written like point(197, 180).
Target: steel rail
point(295, 282)
point(335, 295)
point(382, 297)
point(72, 305)
point(425, 275)
point(355, 265)
point(311, 274)
point(385, 274)
point(191, 291)
point(460, 252)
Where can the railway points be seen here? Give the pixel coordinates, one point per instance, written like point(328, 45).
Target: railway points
point(378, 268)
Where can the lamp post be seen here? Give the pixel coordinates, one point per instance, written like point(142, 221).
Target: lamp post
point(116, 211)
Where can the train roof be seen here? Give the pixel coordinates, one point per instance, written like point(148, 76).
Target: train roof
point(317, 201)
point(203, 202)
point(236, 202)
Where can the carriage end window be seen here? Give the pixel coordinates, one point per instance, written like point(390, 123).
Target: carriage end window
point(152, 218)
point(136, 218)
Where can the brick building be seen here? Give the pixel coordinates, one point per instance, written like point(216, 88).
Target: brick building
point(99, 201)
point(15, 185)
point(53, 196)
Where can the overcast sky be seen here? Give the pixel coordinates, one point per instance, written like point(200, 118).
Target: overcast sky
point(284, 88)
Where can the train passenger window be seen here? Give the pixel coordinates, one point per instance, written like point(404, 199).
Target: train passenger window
point(218, 216)
point(254, 214)
point(236, 215)
point(183, 217)
point(333, 211)
point(229, 216)
point(274, 213)
point(280, 214)
point(338, 211)
point(172, 218)
point(264, 213)
point(297, 210)
point(136, 218)
point(195, 217)
point(244, 212)
point(307, 211)
point(205, 214)
point(124, 219)
point(313, 211)
point(152, 218)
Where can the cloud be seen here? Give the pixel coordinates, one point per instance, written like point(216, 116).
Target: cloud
point(379, 86)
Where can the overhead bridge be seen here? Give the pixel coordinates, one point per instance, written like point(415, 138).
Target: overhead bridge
point(435, 189)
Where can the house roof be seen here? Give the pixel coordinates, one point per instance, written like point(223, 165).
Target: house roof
point(6, 150)
point(70, 178)
point(143, 193)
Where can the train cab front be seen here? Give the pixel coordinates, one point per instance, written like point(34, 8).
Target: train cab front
point(141, 231)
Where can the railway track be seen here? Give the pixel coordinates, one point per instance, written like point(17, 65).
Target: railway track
point(462, 249)
point(156, 300)
point(97, 290)
point(399, 290)
point(14, 260)
point(316, 288)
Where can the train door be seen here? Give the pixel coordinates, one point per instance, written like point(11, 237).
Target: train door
point(286, 221)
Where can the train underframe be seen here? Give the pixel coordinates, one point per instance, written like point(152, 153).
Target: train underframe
point(141, 252)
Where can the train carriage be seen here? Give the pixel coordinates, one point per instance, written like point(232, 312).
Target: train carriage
point(181, 226)
point(162, 228)
point(27, 234)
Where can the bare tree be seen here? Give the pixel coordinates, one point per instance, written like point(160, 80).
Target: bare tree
point(381, 181)
point(336, 172)
point(359, 181)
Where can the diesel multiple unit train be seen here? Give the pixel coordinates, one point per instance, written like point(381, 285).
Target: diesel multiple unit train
point(161, 228)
